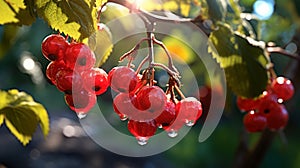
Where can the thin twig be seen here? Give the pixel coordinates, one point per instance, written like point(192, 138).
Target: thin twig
point(282, 51)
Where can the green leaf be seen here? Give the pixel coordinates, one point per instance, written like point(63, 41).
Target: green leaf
point(76, 18)
point(21, 121)
point(101, 43)
point(9, 9)
point(243, 60)
point(1, 119)
point(217, 9)
point(22, 114)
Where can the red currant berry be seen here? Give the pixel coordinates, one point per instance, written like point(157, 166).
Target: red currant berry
point(79, 56)
point(247, 104)
point(123, 105)
point(277, 117)
point(142, 130)
point(68, 81)
point(283, 88)
point(53, 68)
point(54, 46)
point(95, 80)
point(152, 99)
point(122, 79)
point(189, 109)
point(167, 116)
point(81, 102)
point(255, 122)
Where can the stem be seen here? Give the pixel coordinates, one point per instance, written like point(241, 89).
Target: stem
point(283, 52)
point(170, 61)
point(133, 51)
point(179, 92)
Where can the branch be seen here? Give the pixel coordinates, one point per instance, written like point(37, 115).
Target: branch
point(282, 51)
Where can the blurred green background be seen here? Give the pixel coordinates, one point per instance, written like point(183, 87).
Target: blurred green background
point(64, 149)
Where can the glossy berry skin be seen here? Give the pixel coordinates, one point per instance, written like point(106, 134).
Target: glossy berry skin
point(54, 46)
point(247, 104)
point(167, 116)
point(283, 88)
point(277, 118)
point(122, 79)
point(78, 56)
point(152, 99)
point(255, 122)
point(53, 68)
point(189, 109)
point(142, 130)
point(80, 102)
point(68, 81)
point(123, 105)
point(95, 80)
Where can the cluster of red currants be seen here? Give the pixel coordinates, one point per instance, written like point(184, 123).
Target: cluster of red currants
point(267, 111)
point(72, 71)
point(147, 106)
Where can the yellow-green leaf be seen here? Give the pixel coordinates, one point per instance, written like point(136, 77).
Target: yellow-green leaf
point(101, 44)
point(41, 113)
point(22, 114)
point(21, 121)
point(76, 18)
point(244, 61)
point(9, 9)
point(3, 100)
point(1, 119)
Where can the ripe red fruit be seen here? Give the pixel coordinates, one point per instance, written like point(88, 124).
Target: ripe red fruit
point(95, 80)
point(167, 116)
point(283, 88)
point(255, 122)
point(189, 109)
point(122, 79)
point(68, 81)
point(53, 68)
point(54, 46)
point(142, 130)
point(152, 99)
point(123, 105)
point(79, 56)
point(81, 102)
point(247, 104)
point(277, 117)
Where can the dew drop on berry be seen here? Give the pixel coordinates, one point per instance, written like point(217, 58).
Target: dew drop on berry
point(81, 115)
point(172, 133)
point(189, 123)
point(123, 117)
point(142, 140)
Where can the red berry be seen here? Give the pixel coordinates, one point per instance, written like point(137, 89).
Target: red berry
point(189, 109)
point(283, 88)
point(255, 122)
point(68, 81)
point(152, 99)
point(81, 102)
point(277, 117)
point(167, 116)
point(122, 79)
point(54, 46)
point(53, 68)
point(123, 105)
point(95, 80)
point(79, 56)
point(247, 104)
point(142, 130)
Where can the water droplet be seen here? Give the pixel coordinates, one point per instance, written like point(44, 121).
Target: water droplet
point(159, 126)
point(123, 117)
point(172, 133)
point(142, 140)
point(189, 123)
point(81, 115)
